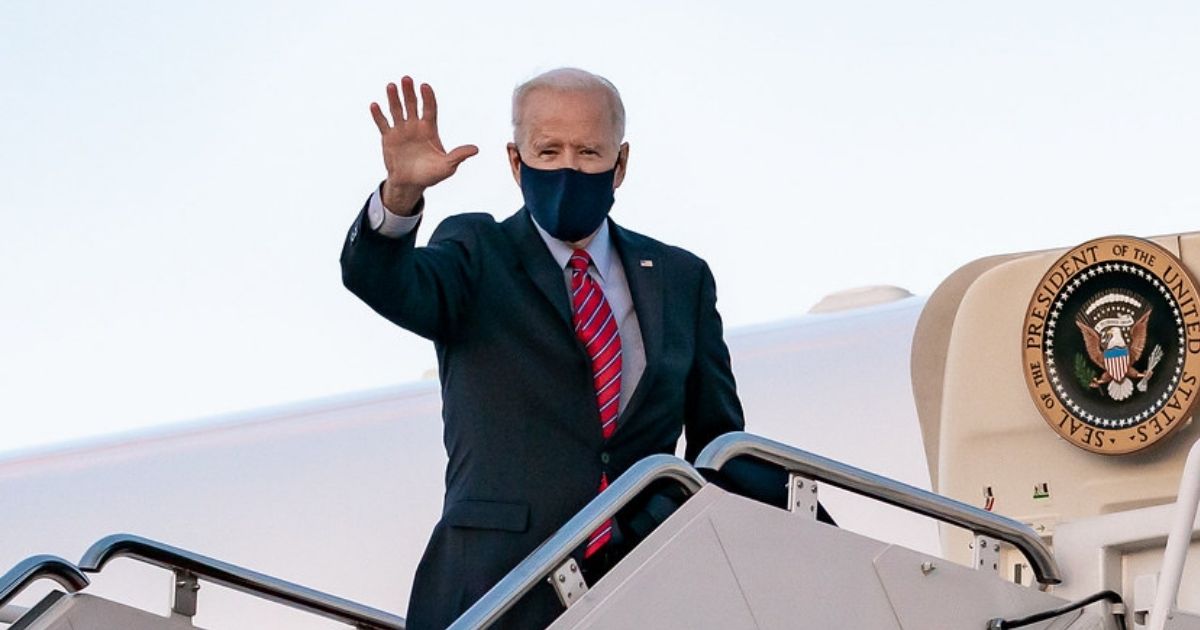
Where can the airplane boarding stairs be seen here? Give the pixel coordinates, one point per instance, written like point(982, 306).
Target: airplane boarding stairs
point(720, 561)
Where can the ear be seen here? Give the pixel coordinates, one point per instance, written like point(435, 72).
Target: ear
point(514, 162)
point(622, 165)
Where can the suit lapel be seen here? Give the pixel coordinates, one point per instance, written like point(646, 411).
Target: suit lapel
point(539, 263)
point(646, 290)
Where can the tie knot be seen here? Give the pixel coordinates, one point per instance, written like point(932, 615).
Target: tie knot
point(579, 260)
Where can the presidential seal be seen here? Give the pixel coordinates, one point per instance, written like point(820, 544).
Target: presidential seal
point(1111, 345)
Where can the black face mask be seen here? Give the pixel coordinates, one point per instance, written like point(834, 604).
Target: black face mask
point(569, 204)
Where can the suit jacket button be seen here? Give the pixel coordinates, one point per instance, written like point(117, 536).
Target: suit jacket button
point(604, 458)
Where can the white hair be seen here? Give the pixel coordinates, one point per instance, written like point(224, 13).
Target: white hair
point(569, 80)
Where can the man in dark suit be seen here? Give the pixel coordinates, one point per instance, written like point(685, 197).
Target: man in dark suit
point(568, 347)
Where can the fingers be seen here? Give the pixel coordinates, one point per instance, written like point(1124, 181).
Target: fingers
point(457, 156)
point(381, 121)
point(410, 97)
point(429, 114)
point(408, 111)
point(394, 104)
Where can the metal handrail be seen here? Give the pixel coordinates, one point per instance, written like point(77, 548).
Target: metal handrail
point(890, 491)
point(40, 567)
point(1178, 539)
point(555, 550)
point(237, 578)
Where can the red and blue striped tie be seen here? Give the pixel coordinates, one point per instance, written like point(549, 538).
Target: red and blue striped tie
point(597, 331)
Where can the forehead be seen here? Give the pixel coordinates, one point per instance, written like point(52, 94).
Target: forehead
point(568, 115)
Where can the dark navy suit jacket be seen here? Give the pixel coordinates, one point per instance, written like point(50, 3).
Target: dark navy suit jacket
point(521, 426)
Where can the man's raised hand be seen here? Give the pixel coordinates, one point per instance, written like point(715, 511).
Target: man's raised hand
point(412, 150)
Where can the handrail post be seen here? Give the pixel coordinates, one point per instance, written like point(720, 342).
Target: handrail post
point(185, 595)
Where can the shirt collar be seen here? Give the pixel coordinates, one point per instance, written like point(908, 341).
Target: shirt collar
point(600, 249)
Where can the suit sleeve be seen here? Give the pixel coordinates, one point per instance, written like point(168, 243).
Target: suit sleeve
point(712, 403)
point(423, 289)
point(714, 409)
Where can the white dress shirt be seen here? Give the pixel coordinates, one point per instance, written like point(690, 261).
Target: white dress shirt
point(606, 269)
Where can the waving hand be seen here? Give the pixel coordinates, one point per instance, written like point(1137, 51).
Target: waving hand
point(412, 149)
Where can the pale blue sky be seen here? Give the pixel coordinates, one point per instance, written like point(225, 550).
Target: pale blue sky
point(176, 179)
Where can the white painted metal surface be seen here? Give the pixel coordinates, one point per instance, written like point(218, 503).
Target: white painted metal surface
point(86, 612)
point(724, 562)
point(1178, 541)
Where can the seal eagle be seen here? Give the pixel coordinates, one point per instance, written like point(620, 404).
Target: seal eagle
point(1115, 348)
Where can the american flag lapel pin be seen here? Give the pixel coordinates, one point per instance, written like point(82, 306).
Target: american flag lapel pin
point(645, 262)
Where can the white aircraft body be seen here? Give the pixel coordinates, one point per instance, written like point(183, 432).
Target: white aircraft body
point(339, 495)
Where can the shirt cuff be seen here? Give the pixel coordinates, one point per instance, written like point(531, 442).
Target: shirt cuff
point(388, 223)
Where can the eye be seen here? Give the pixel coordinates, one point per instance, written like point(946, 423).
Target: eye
point(590, 152)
